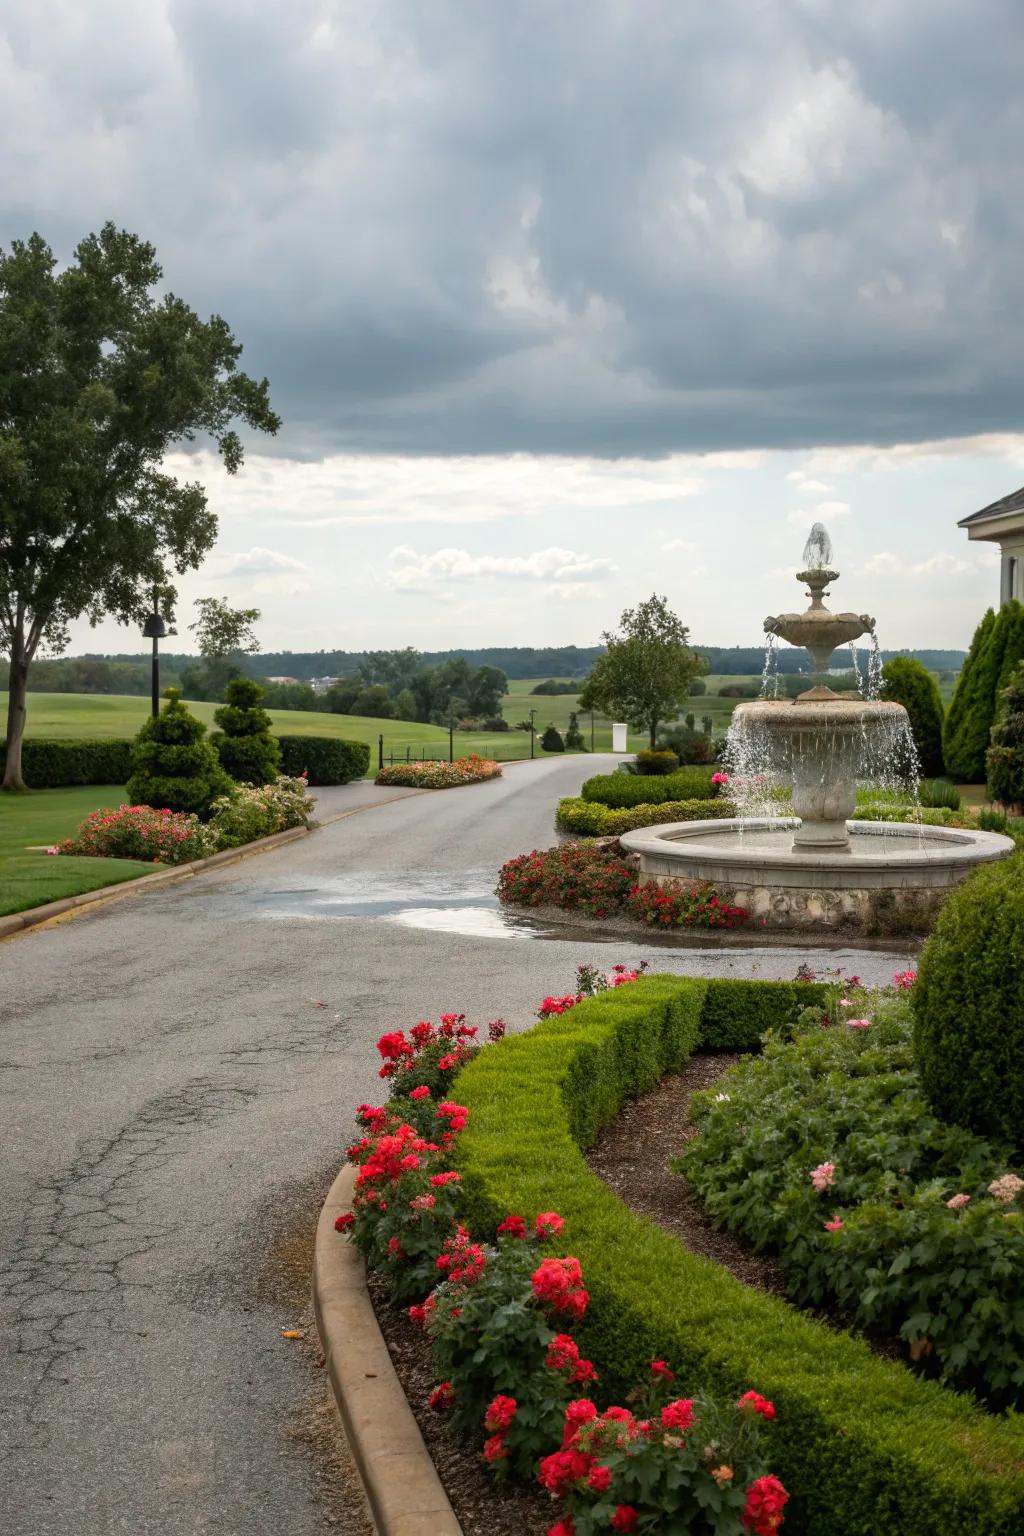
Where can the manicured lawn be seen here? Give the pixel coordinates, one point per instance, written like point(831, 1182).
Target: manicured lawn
point(42, 817)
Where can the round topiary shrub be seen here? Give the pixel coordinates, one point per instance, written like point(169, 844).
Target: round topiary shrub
point(656, 763)
point(173, 766)
point(968, 1005)
point(247, 750)
point(551, 740)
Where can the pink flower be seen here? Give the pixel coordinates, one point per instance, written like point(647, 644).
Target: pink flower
point(1007, 1188)
point(859, 1023)
point(719, 778)
point(823, 1176)
point(958, 1202)
point(834, 1226)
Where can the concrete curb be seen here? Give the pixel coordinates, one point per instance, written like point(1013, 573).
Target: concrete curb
point(17, 922)
point(405, 1494)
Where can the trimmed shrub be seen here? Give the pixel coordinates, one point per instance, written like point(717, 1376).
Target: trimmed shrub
point(140, 832)
point(1005, 757)
point(551, 741)
point(933, 793)
point(589, 818)
point(324, 759)
point(260, 810)
point(247, 750)
point(739, 691)
point(621, 789)
point(905, 681)
point(997, 647)
point(656, 763)
point(173, 766)
point(968, 1017)
point(689, 745)
point(53, 763)
point(855, 1434)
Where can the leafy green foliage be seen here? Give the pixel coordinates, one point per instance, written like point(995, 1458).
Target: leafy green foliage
point(49, 763)
point(99, 376)
point(1005, 757)
point(848, 1099)
point(324, 759)
point(247, 750)
point(996, 649)
point(855, 1433)
point(174, 765)
point(622, 789)
point(551, 740)
point(969, 1023)
point(645, 674)
point(906, 682)
point(935, 793)
point(656, 764)
point(589, 818)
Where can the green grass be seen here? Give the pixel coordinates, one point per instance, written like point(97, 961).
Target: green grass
point(44, 816)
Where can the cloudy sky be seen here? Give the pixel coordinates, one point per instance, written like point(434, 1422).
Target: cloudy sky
point(562, 303)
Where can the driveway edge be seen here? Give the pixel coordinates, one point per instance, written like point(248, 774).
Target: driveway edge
point(401, 1483)
point(17, 922)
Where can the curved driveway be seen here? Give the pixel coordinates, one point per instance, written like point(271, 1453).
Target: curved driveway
point(178, 1072)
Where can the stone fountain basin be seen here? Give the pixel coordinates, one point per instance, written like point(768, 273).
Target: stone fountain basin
point(891, 877)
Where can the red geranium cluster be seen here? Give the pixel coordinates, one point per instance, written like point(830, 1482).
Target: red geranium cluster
point(564, 1356)
point(461, 1260)
point(552, 1007)
point(558, 1284)
point(675, 905)
point(401, 1053)
point(497, 1422)
point(762, 1513)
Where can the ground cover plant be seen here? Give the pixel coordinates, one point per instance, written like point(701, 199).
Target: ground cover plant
point(826, 1150)
point(600, 883)
point(440, 775)
point(498, 1315)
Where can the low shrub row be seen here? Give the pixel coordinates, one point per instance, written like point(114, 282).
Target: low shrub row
point(861, 1444)
point(626, 789)
point(590, 818)
point(441, 775)
point(51, 763)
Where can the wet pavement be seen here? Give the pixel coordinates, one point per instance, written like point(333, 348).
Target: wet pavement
point(178, 1072)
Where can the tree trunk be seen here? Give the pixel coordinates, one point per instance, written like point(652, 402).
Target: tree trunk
point(654, 731)
point(18, 689)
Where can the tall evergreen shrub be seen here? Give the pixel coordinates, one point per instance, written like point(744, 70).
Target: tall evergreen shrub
point(551, 740)
point(905, 681)
point(997, 647)
point(247, 750)
point(1005, 757)
point(174, 766)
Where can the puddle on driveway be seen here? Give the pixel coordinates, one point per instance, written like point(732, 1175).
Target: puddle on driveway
point(417, 903)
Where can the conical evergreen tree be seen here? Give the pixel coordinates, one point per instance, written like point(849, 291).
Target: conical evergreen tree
point(173, 766)
point(1005, 758)
point(247, 750)
point(905, 681)
point(997, 647)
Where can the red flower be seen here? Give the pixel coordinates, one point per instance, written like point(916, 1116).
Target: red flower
point(446, 1063)
point(495, 1448)
point(500, 1414)
point(678, 1415)
point(559, 1471)
point(451, 1177)
point(442, 1396)
point(564, 1527)
point(548, 1224)
point(625, 1518)
point(599, 1478)
point(558, 1283)
point(581, 1411)
point(513, 1226)
point(395, 1248)
point(344, 1221)
point(763, 1511)
point(422, 1092)
point(753, 1402)
point(660, 1368)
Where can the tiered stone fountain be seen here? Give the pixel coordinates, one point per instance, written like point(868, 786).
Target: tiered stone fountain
point(817, 869)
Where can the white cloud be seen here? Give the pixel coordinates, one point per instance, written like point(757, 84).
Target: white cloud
point(674, 544)
point(260, 562)
point(825, 511)
point(881, 563)
point(412, 572)
point(942, 565)
point(807, 485)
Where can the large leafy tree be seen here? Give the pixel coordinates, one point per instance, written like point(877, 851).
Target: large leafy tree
point(225, 636)
point(646, 671)
point(99, 376)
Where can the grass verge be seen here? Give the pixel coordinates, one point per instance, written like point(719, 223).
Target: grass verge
point(31, 821)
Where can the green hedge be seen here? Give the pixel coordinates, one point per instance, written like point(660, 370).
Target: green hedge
point(589, 818)
point(56, 763)
point(326, 759)
point(862, 1445)
point(622, 789)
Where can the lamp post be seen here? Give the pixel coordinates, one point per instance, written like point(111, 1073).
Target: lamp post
point(156, 629)
point(533, 733)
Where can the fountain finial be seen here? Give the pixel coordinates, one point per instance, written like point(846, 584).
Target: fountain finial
point(818, 629)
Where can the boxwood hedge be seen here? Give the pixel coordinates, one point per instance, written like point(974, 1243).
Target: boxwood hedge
point(324, 759)
point(55, 763)
point(620, 789)
point(862, 1445)
point(589, 818)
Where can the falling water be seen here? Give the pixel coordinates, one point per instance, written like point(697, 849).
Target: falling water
point(874, 668)
point(770, 672)
point(855, 664)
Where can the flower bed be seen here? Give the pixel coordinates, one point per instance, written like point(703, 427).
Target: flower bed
point(590, 818)
point(441, 775)
point(862, 1444)
point(826, 1151)
point(498, 1315)
point(579, 877)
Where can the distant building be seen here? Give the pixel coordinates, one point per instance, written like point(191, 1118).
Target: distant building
point(282, 679)
point(1002, 523)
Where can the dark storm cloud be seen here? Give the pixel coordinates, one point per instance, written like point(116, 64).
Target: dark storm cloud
point(601, 226)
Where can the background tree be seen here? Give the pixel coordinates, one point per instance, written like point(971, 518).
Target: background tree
point(1005, 757)
point(906, 682)
point(373, 701)
point(174, 765)
point(551, 740)
point(98, 379)
point(247, 751)
point(574, 736)
point(645, 674)
point(997, 647)
point(225, 636)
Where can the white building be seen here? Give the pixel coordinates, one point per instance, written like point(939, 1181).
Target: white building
point(1003, 523)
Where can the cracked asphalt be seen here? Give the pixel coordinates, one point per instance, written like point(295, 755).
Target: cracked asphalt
point(178, 1074)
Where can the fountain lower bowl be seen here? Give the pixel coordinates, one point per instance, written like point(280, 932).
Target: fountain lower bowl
point(891, 878)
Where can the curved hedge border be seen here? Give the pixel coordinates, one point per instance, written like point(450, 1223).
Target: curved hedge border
point(622, 789)
point(589, 818)
point(863, 1445)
